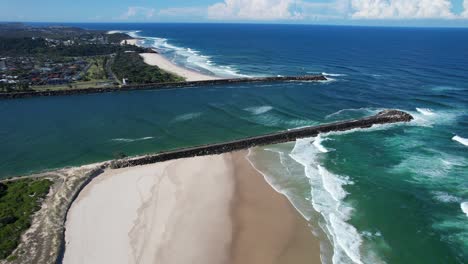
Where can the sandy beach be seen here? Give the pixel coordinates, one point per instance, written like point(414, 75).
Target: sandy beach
point(155, 59)
point(163, 63)
point(213, 209)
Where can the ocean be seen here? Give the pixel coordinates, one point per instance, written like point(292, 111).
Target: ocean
point(389, 194)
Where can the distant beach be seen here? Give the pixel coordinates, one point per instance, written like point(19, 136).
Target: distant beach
point(156, 59)
point(163, 63)
point(213, 209)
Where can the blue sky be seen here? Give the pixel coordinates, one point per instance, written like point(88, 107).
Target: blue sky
point(348, 12)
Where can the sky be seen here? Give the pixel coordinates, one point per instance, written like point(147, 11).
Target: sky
point(439, 13)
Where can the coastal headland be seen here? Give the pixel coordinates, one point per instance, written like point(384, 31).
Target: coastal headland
point(244, 210)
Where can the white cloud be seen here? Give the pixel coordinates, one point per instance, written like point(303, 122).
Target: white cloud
point(465, 6)
point(402, 9)
point(188, 12)
point(270, 10)
point(253, 10)
point(323, 10)
point(138, 12)
point(278, 9)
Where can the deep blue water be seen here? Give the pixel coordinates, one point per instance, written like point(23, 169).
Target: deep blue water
point(388, 195)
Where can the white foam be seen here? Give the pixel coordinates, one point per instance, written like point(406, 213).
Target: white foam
point(327, 195)
point(257, 110)
point(188, 57)
point(464, 207)
point(425, 111)
point(328, 80)
point(131, 139)
point(333, 184)
point(428, 117)
point(318, 144)
point(463, 141)
point(348, 239)
point(186, 117)
point(333, 74)
point(131, 33)
point(359, 110)
point(276, 188)
point(446, 198)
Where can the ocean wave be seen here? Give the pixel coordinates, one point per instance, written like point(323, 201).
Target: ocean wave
point(318, 144)
point(278, 186)
point(447, 88)
point(328, 80)
point(425, 111)
point(188, 57)
point(346, 112)
point(464, 207)
point(327, 195)
point(257, 110)
point(430, 167)
point(333, 74)
point(463, 141)
point(428, 117)
point(446, 198)
point(131, 33)
point(131, 139)
point(186, 117)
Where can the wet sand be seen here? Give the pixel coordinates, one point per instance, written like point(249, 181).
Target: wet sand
point(213, 209)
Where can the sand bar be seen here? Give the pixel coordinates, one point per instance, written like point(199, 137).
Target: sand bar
point(213, 209)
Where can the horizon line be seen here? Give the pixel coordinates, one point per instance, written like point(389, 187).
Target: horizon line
point(246, 23)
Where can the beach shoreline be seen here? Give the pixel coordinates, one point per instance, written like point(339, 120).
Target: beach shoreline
point(211, 209)
point(155, 59)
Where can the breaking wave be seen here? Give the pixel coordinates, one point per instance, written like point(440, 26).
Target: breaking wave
point(333, 74)
point(428, 117)
point(327, 198)
point(446, 198)
point(259, 109)
point(463, 141)
point(131, 139)
point(425, 111)
point(186, 117)
point(464, 207)
point(187, 57)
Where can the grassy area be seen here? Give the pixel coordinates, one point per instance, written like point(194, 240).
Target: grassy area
point(132, 67)
point(19, 200)
point(75, 85)
point(97, 70)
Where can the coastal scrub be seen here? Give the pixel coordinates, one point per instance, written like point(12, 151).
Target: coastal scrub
point(19, 200)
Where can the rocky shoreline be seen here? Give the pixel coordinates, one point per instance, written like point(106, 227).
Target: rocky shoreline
point(160, 86)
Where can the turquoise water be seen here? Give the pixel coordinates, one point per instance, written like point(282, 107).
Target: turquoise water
point(391, 194)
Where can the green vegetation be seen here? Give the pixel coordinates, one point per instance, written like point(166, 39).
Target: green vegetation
point(92, 50)
point(19, 200)
point(40, 47)
point(130, 65)
point(21, 46)
point(97, 70)
point(117, 37)
point(76, 85)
